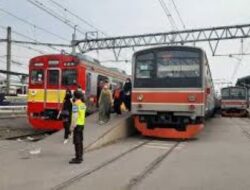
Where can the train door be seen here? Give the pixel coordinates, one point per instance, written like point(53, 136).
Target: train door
point(52, 89)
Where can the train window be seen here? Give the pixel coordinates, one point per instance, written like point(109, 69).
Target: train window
point(37, 76)
point(69, 77)
point(88, 89)
point(225, 93)
point(178, 64)
point(144, 65)
point(238, 93)
point(53, 77)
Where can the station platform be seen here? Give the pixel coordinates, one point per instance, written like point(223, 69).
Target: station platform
point(42, 164)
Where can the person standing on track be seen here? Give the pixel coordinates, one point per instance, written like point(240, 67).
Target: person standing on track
point(77, 126)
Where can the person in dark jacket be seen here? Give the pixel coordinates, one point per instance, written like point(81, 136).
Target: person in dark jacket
point(127, 88)
point(117, 97)
point(65, 114)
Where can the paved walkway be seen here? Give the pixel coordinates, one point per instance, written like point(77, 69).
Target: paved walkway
point(21, 170)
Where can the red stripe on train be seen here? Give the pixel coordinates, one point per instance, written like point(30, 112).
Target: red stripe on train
point(169, 97)
point(234, 103)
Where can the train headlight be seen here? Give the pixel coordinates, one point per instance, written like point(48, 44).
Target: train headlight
point(140, 97)
point(193, 117)
point(38, 64)
point(33, 92)
point(191, 98)
point(68, 64)
point(191, 107)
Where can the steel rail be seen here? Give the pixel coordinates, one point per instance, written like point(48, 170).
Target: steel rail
point(78, 177)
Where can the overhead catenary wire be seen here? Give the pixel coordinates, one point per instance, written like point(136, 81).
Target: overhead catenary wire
point(49, 11)
point(23, 45)
point(78, 17)
point(168, 15)
point(31, 48)
point(60, 18)
point(33, 25)
point(180, 18)
point(239, 61)
point(178, 14)
point(27, 37)
point(36, 41)
point(20, 57)
point(14, 62)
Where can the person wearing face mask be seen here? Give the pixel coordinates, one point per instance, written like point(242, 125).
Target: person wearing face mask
point(127, 88)
point(105, 104)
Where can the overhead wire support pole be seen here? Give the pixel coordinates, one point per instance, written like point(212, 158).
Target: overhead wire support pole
point(8, 60)
point(73, 40)
point(167, 38)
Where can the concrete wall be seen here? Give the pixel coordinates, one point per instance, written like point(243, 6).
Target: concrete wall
point(120, 129)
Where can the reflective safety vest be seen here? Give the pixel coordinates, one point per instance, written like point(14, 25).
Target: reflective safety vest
point(78, 113)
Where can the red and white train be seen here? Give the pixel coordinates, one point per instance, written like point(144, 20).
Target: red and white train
point(51, 75)
point(234, 101)
point(172, 91)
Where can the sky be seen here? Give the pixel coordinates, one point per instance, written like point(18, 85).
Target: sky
point(123, 17)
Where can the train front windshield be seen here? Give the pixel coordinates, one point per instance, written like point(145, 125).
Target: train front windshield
point(65, 76)
point(168, 69)
point(234, 93)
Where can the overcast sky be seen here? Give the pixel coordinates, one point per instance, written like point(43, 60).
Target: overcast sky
point(125, 17)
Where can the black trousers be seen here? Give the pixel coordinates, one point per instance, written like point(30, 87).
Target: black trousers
point(78, 141)
point(127, 102)
point(117, 106)
point(66, 125)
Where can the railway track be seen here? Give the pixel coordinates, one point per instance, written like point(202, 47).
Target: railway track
point(33, 136)
point(80, 176)
point(12, 133)
point(135, 180)
point(245, 131)
point(242, 123)
point(152, 166)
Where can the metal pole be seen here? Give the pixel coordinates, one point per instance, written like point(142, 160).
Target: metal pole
point(8, 60)
point(73, 41)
